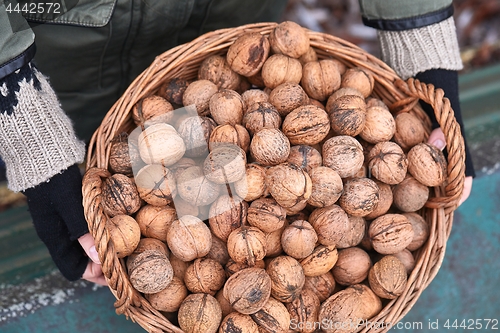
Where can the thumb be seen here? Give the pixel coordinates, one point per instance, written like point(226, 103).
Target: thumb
point(437, 139)
point(87, 242)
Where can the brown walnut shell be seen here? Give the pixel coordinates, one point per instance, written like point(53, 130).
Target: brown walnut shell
point(195, 131)
point(261, 115)
point(216, 69)
point(287, 278)
point(290, 39)
point(151, 110)
point(170, 298)
point(229, 134)
point(120, 195)
point(359, 79)
point(347, 115)
point(410, 195)
point(248, 290)
point(225, 164)
point(155, 221)
point(237, 322)
point(246, 244)
point(320, 78)
point(306, 125)
point(326, 186)
point(125, 233)
point(173, 90)
point(288, 184)
point(320, 261)
point(266, 214)
point(205, 275)
point(156, 184)
point(287, 97)
point(321, 285)
point(304, 311)
point(279, 69)
point(189, 238)
point(388, 277)
point(427, 164)
point(304, 156)
point(269, 146)
point(149, 271)
point(299, 239)
point(195, 188)
point(200, 313)
point(420, 230)
point(247, 54)
point(272, 317)
point(227, 107)
point(343, 154)
point(409, 131)
point(198, 93)
point(360, 196)
point(227, 213)
point(390, 233)
point(352, 266)
point(252, 186)
point(388, 163)
point(379, 125)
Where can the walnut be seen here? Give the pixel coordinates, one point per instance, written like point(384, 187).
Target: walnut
point(410, 195)
point(287, 97)
point(359, 79)
point(269, 146)
point(305, 157)
point(156, 184)
point(343, 154)
point(427, 164)
point(151, 110)
point(198, 93)
point(173, 90)
point(352, 266)
point(216, 69)
point(388, 277)
point(409, 131)
point(261, 115)
point(290, 39)
point(226, 107)
point(320, 78)
point(288, 184)
point(390, 233)
point(326, 186)
point(248, 53)
point(279, 69)
point(388, 163)
point(230, 134)
point(379, 125)
point(307, 125)
point(360, 196)
point(347, 115)
point(195, 131)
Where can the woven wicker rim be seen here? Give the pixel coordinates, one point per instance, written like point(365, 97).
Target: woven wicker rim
point(183, 61)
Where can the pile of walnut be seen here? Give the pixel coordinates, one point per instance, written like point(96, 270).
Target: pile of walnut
point(322, 217)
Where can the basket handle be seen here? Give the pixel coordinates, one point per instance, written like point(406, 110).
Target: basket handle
point(455, 146)
point(128, 300)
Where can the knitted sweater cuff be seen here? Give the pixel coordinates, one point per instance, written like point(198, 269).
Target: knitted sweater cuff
point(37, 140)
point(409, 52)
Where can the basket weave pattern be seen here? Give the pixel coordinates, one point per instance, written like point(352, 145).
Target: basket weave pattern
point(183, 61)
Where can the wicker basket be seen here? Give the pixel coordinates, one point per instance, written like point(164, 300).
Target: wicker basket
point(183, 61)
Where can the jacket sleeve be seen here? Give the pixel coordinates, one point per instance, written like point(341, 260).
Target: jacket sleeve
point(37, 140)
point(415, 36)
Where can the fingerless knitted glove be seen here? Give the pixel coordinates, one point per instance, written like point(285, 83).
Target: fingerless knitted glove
point(430, 54)
point(41, 150)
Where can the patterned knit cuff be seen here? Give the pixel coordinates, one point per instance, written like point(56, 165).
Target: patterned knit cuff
point(37, 140)
point(409, 52)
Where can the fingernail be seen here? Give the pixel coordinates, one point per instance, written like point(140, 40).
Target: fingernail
point(93, 255)
point(439, 144)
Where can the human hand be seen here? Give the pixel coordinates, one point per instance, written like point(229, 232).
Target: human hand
point(93, 272)
point(437, 139)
